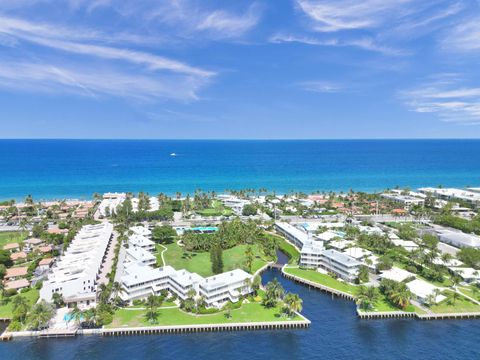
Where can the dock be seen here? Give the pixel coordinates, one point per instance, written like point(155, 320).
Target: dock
point(177, 329)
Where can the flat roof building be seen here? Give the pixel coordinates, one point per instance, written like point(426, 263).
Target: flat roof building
point(76, 273)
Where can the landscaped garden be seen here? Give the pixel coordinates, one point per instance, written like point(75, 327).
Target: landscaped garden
point(200, 261)
point(248, 312)
point(216, 209)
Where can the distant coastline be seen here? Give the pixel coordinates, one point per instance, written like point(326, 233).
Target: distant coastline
point(59, 169)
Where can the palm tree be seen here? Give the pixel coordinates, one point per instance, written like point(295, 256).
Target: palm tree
point(40, 315)
point(76, 314)
point(152, 305)
point(20, 308)
point(293, 303)
point(401, 296)
point(116, 288)
point(249, 257)
point(367, 297)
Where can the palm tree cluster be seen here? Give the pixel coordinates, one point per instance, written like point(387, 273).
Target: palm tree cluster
point(367, 297)
point(34, 318)
point(396, 292)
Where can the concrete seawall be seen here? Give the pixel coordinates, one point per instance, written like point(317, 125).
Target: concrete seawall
point(381, 314)
point(206, 328)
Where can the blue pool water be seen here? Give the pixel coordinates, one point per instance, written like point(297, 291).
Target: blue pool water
point(78, 168)
point(335, 333)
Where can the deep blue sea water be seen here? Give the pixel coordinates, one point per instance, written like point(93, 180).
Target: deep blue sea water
point(335, 333)
point(77, 168)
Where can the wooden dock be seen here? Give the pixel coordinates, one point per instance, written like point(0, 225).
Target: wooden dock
point(177, 329)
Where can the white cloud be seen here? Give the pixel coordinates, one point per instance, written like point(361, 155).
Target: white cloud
point(94, 82)
point(335, 15)
point(464, 37)
point(447, 98)
point(319, 86)
point(112, 70)
point(365, 43)
point(193, 17)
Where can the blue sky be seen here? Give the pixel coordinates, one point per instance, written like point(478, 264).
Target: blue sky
point(239, 69)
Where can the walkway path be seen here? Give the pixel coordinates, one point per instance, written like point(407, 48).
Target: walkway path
point(161, 254)
point(108, 263)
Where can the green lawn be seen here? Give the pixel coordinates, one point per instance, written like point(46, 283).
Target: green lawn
point(6, 309)
point(217, 209)
point(469, 291)
point(11, 237)
point(462, 304)
point(322, 279)
point(199, 262)
point(250, 312)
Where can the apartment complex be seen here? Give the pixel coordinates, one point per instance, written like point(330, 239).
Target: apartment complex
point(76, 273)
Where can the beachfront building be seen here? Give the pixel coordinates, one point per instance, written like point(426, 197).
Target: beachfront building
point(76, 273)
point(407, 200)
point(470, 197)
point(344, 266)
point(110, 202)
point(233, 202)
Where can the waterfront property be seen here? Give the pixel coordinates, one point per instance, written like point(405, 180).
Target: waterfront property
point(340, 264)
point(314, 255)
point(139, 280)
point(76, 273)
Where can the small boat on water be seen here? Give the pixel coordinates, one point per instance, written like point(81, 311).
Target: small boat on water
point(173, 154)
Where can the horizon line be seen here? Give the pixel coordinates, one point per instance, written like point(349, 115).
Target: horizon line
point(242, 139)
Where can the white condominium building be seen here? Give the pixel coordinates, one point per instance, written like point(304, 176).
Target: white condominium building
point(75, 274)
point(231, 285)
point(141, 241)
point(314, 255)
point(139, 255)
point(110, 201)
point(341, 264)
point(296, 236)
point(140, 281)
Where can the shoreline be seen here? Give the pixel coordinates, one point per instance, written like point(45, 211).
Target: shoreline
point(380, 314)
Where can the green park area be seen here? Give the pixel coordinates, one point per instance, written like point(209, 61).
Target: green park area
point(322, 279)
point(6, 304)
point(11, 237)
point(248, 312)
point(200, 262)
point(456, 304)
point(216, 209)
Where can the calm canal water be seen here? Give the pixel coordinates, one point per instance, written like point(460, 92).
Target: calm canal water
point(335, 333)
